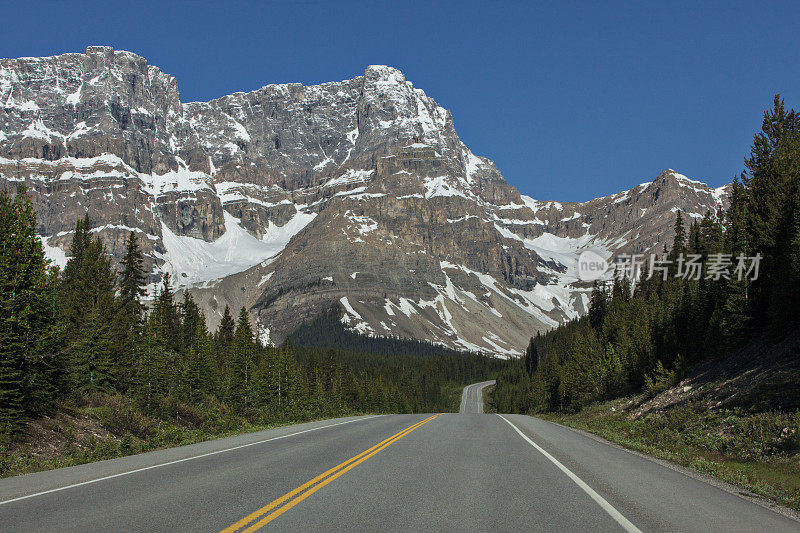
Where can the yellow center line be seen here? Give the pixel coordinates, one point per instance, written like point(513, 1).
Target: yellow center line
point(334, 473)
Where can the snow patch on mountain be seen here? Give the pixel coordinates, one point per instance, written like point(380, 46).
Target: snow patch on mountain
point(439, 186)
point(182, 180)
point(194, 261)
point(54, 254)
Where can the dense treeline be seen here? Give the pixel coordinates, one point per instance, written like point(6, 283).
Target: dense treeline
point(417, 376)
point(646, 336)
point(84, 333)
point(326, 331)
point(415, 373)
point(422, 375)
point(397, 383)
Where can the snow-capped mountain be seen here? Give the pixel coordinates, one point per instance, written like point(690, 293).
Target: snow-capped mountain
point(291, 199)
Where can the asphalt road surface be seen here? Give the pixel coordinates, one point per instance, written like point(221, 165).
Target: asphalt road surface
point(472, 397)
point(447, 472)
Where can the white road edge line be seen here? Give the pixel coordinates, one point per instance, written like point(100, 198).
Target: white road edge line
point(607, 507)
point(89, 482)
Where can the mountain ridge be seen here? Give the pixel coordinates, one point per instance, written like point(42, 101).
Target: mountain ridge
point(289, 199)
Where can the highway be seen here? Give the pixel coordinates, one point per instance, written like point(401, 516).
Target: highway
point(421, 472)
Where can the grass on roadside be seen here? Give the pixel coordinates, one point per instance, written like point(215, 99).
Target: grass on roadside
point(110, 426)
point(759, 452)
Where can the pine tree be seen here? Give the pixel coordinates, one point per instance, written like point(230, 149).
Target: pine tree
point(166, 318)
point(87, 301)
point(288, 378)
point(242, 367)
point(597, 306)
point(90, 368)
point(151, 369)
point(330, 371)
point(11, 396)
point(531, 358)
point(771, 184)
point(88, 283)
point(81, 238)
point(25, 369)
point(679, 242)
point(226, 328)
point(201, 375)
point(128, 324)
point(132, 278)
point(191, 322)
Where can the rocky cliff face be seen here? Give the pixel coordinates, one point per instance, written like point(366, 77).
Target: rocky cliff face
point(290, 199)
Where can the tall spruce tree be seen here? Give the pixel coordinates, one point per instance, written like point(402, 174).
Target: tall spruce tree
point(132, 279)
point(91, 368)
point(129, 320)
point(243, 364)
point(25, 372)
point(88, 282)
point(88, 299)
point(192, 317)
point(679, 242)
point(598, 304)
point(226, 328)
point(166, 317)
point(531, 358)
point(772, 182)
point(224, 338)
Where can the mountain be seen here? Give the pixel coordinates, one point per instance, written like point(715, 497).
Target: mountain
point(293, 199)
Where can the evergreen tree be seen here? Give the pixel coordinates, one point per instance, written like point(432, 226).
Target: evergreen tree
point(87, 301)
point(288, 378)
point(88, 283)
point(772, 182)
point(242, 367)
point(201, 375)
point(128, 323)
point(192, 318)
point(12, 340)
point(166, 318)
point(132, 280)
point(151, 369)
point(81, 239)
point(531, 358)
point(597, 305)
point(90, 368)
point(679, 243)
point(226, 328)
point(27, 365)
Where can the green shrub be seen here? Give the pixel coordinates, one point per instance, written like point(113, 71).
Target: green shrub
point(660, 379)
point(120, 416)
point(191, 414)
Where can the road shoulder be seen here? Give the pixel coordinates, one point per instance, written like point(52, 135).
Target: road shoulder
point(571, 445)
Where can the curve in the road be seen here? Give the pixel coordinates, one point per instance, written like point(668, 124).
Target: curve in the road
point(472, 397)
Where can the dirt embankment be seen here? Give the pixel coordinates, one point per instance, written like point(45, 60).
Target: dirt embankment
point(762, 377)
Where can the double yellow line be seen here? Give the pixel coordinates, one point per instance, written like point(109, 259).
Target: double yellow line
point(279, 506)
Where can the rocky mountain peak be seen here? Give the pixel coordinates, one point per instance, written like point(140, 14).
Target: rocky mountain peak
point(384, 74)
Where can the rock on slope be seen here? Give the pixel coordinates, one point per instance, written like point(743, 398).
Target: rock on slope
point(290, 199)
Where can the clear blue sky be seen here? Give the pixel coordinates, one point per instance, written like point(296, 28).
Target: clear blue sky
point(571, 100)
